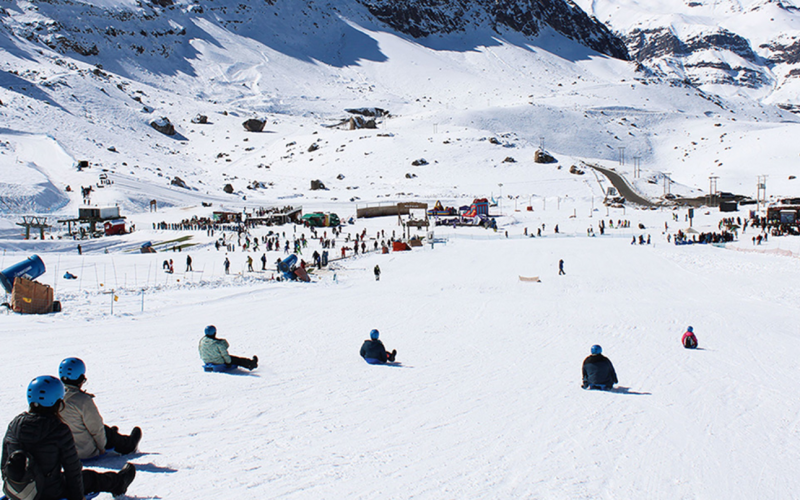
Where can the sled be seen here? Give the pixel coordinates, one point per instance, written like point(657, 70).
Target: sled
point(532, 279)
point(218, 368)
point(88, 496)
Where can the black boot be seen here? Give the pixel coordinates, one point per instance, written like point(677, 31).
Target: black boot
point(124, 479)
point(254, 363)
point(392, 355)
point(135, 437)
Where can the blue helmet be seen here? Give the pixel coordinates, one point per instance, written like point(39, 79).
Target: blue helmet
point(71, 369)
point(374, 334)
point(690, 330)
point(596, 349)
point(45, 391)
point(211, 330)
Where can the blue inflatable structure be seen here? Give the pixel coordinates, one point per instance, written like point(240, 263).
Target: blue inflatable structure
point(219, 368)
point(30, 268)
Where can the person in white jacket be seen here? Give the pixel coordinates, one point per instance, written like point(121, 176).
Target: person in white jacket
point(92, 437)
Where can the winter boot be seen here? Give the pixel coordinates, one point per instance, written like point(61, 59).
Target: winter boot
point(136, 436)
point(254, 363)
point(392, 355)
point(124, 479)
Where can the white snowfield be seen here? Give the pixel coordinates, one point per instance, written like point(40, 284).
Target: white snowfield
point(486, 402)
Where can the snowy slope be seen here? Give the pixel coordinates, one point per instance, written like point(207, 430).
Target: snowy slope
point(486, 402)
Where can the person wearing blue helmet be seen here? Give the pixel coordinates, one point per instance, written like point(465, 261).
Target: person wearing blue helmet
point(92, 436)
point(373, 352)
point(689, 340)
point(598, 372)
point(214, 350)
point(40, 434)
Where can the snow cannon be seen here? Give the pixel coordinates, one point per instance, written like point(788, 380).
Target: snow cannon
point(287, 266)
point(30, 268)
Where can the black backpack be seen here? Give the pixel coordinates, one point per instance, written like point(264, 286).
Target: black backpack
point(23, 479)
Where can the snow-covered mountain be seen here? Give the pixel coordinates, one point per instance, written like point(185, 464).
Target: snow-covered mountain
point(88, 80)
point(728, 47)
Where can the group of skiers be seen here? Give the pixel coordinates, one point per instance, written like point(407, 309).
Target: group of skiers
point(599, 373)
point(43, 447)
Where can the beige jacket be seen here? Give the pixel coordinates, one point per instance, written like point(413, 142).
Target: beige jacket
point(81, 415)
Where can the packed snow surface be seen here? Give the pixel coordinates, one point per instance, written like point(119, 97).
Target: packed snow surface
point(486, 399)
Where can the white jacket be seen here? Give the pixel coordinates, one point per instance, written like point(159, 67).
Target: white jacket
point(84, 420)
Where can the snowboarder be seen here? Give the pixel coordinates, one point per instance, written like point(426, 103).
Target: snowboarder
point(377, 272)
point(41, 433)
point(373, 352)
point(689, 340)
point(227, 265)
point(188, 263)
point(561, 267)
point(92, 437)
point(215, 351)
point(598, 372)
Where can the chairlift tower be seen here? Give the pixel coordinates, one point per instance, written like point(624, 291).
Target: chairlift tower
point(712, 189)
point(761, 196)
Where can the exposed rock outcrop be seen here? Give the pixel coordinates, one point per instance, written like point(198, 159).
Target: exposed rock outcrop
point(254, 125)
point(163, 125)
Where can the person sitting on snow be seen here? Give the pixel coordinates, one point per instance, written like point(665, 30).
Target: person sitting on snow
point(689, 341)
point(373, 352)
point(215, 351)
point(92, 437)
point(41, 433)
point(598, 372)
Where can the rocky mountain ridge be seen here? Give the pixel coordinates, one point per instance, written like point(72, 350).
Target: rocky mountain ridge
point(745, 48)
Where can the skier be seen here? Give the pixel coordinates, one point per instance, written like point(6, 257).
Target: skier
point(689, 341)
point(377, 272)
point(373, 352)
point(215, 351)
point(41, 433)
point(188, 263)
point(561, 267)
point(92, 437)
point(598, 372)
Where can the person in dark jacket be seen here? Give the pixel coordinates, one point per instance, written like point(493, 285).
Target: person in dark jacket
point(41, 433)
point(598, 372)
point(373, 352)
